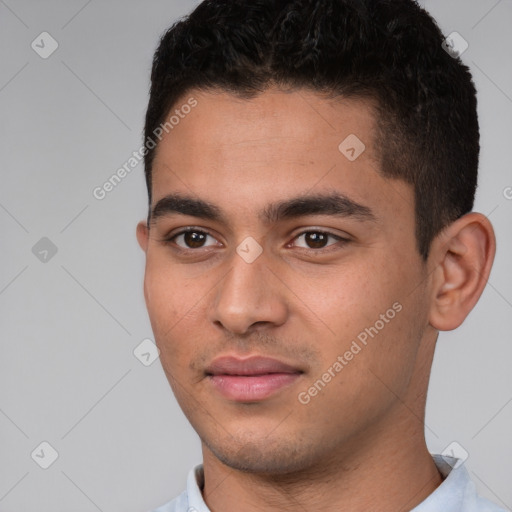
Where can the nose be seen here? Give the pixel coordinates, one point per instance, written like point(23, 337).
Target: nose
point(250, 296)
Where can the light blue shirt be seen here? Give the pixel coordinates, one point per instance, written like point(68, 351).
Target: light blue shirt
point(457, 493)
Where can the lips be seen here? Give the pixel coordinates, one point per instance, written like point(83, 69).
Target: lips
point(251, 379)
point(255, 365)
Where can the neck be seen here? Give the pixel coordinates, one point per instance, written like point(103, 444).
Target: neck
point(393, 472)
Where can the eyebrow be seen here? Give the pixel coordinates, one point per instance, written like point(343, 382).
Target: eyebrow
point(333, 204)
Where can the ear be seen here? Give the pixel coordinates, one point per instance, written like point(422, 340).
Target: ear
point(462, 256)
point(143, 235)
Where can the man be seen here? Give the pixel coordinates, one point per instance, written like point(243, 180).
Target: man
point(311, 172)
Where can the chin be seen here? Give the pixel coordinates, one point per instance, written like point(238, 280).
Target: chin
point(265, 456)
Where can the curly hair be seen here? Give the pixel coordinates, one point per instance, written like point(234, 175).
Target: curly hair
point(387, 51)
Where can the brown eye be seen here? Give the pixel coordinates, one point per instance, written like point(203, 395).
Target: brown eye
point(316, 240)
point(193, 239)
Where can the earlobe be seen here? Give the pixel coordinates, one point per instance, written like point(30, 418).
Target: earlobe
point(463, 255)
point(142, 233)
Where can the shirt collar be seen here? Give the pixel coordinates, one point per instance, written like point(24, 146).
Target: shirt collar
point(456, 491)
point(195, 482)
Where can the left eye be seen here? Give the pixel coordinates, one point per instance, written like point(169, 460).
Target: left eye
point(316, 239)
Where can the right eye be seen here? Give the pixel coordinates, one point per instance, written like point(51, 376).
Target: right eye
point(191, 238)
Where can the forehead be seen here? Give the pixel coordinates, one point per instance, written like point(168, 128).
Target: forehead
point(223, 125)
point(248, 152)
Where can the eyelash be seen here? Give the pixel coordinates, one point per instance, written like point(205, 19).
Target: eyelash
point(339, 239)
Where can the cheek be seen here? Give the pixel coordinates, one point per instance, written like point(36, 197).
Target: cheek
point(165, 305)
point(394, 329)
point(176, 308)
point(370, 306)
point(168, 295)
point(346, 299)
point(161, 296)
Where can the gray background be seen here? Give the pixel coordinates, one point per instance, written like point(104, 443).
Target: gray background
point(69, 324)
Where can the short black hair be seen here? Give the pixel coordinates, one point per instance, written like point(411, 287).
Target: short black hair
point(387, 51)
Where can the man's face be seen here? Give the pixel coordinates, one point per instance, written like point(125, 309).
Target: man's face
point(306, 256)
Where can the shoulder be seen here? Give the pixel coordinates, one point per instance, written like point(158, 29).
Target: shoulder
point(191, 499)
point(481, 504)
point(457, 492)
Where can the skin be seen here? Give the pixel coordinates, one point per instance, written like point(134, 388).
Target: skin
point(359, 443)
